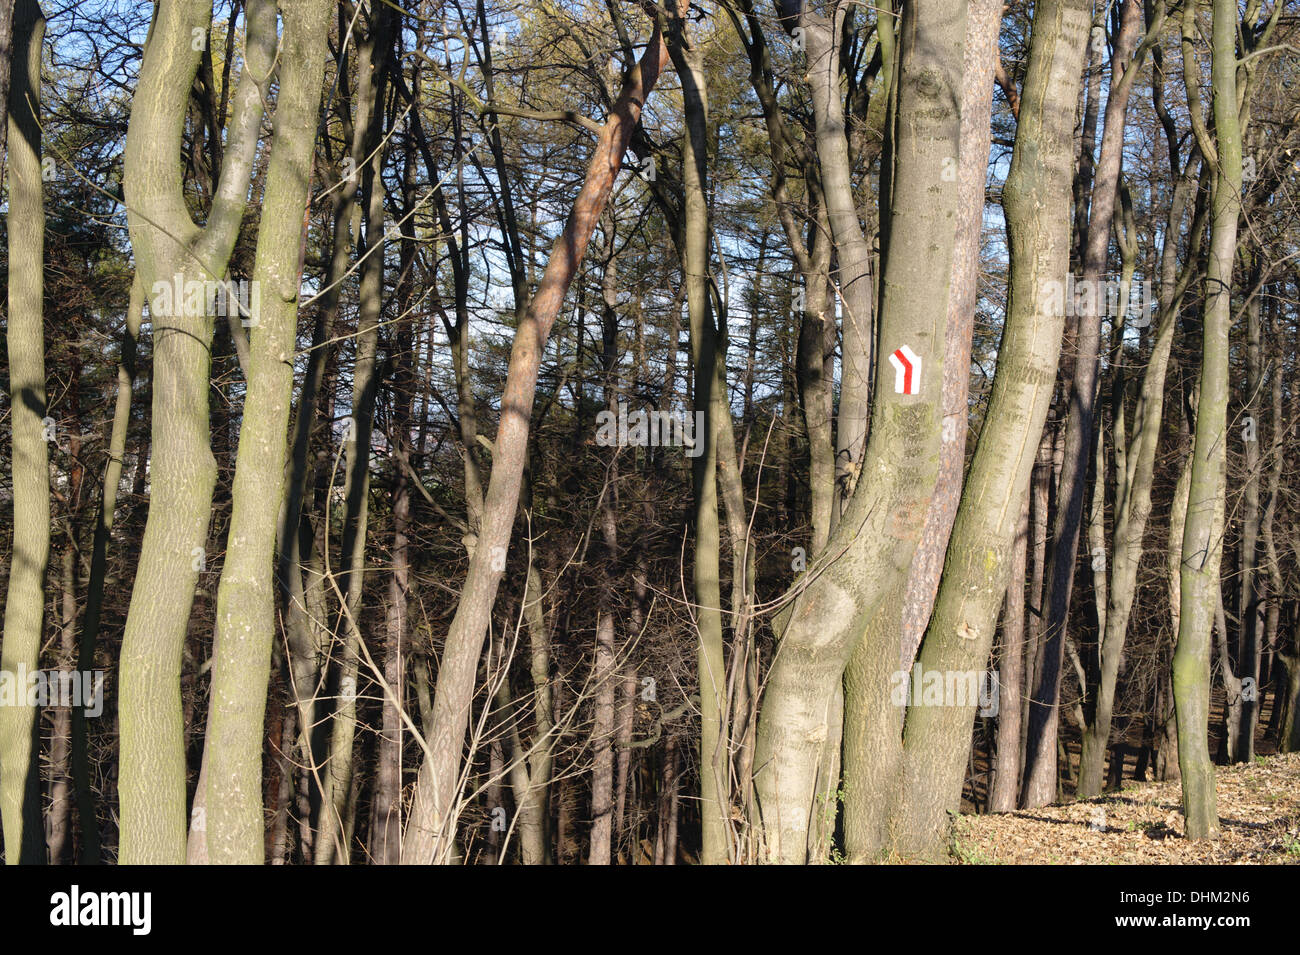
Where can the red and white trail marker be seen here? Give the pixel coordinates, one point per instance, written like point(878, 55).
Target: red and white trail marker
point(907, 371)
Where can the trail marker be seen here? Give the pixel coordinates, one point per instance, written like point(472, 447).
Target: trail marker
point(907, 371)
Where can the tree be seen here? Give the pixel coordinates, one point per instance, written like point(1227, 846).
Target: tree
point(167, 244)
point(1203, 533)
point(976, 568)
point(20, 785)
point(245, 598)
point(871, 548)
point(430, 830)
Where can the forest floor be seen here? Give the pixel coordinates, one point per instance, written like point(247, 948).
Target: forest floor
point(1142, 824)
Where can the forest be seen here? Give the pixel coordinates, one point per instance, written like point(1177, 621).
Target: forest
point(649, 432)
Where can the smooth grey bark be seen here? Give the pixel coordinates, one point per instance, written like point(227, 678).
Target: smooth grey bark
point(1203, 532)
point(709, 395)
point(814, 359)
point(1011, 677)
point(167, 243)
point(972, 174)
point(854, 288)
point(20, 751)
point(873, 720)
point(960, 635)
point(245, 620)
point(870, 550)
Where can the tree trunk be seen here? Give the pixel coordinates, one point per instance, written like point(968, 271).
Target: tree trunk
point(976, 570)
point(1006, 772)
point(170, 250)
point(870, 552)
point(1249, 606)
point(623, 723)
point(246, 594)
point(709, 403)
point(1202, 535)
point(873, 720)
point(602, 737)
point(126, 374)
point(1040, 768)
point(1289, 737)
point(1134, 481)
point(373, 58)
point(1039, 500)
point(431, 829)
point(20, 751)
point(530, 771)
point(301, 539)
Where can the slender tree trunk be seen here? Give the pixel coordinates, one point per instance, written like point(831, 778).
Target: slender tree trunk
point(623, 724)
point(853, 257)
point(373, 57)
point(1276, 586)
point(1040, 765)
point(170, 250)
point(278, 837)
point(1039, 500)
point(1167, 764)
point(6, 68)
point(1202, 536)
point(665, 851)
point(1133, 495)
point(58, 819)
point(816, 385)
point(1249, 605)
point(246, 594)
point(89, 634)
point(602, 733)
point(301, 544)
point(1010, 676)
point(1289, 696)
point(387, 839)
point(431, 830)
point(20, 751)
point(710, 404)
point(530, 770)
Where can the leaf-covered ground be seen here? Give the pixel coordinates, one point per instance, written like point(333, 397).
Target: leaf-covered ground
point(1259, 815)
